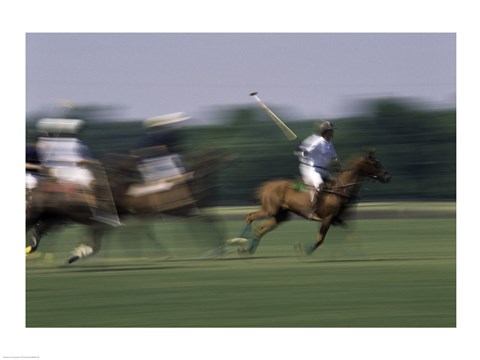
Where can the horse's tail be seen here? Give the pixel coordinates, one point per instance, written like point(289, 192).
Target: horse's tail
point(257, 196)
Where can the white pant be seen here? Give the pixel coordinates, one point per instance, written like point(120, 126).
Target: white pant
point(30, 181)
point(312, 175)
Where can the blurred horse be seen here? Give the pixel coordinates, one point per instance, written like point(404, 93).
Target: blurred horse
point(179, 194)
point(183, 195)
point(279, 198)
point(52, 204)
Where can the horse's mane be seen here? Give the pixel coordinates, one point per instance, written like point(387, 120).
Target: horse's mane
point(356, 158)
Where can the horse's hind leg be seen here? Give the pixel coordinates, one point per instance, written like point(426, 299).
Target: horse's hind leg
point(271, 224)
point(261, 213)
point(267, 226)
point(271, 206)
point(247, 232)
point(251, 217)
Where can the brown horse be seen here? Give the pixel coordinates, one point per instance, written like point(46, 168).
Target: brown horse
point(279, 198)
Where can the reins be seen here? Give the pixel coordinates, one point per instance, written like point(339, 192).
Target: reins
point(347, 185)
point(351, 194)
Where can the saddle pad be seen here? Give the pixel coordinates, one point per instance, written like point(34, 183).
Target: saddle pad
point(299, 186)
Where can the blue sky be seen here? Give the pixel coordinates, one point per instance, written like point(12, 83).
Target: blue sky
point(308, 74)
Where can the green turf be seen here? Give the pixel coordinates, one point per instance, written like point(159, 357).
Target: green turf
point(377, 273)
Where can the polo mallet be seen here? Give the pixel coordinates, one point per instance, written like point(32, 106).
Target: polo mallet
point(285, 129)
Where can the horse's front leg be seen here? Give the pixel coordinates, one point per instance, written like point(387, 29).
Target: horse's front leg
point(39, 229)
point(83, 251)
point(321, 235)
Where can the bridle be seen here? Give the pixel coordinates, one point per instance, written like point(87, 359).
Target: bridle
point(351, 193)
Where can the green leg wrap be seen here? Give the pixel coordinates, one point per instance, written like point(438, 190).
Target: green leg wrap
point(252, 245)
point(311, 249)
point(247, 232)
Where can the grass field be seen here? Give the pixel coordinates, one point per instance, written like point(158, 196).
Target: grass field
point(395, 272)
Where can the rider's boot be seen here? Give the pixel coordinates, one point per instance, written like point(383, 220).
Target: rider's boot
point(315, 199)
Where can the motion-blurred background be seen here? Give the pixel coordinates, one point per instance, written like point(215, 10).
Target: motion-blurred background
point(391, 91)
point(416, 145)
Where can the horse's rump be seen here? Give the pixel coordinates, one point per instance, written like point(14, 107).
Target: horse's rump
point(272, 195)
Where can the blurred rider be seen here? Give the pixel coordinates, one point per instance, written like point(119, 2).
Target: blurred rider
point(66, 159)
point(159, 150)
point(60, 152)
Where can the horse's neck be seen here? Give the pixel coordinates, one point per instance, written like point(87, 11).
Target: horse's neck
point(348, 182)
point(348, 177)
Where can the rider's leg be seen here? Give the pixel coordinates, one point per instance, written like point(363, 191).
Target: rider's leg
point(312, 178)
point(318, 185)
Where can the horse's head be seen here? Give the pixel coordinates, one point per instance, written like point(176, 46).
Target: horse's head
point(369, 166)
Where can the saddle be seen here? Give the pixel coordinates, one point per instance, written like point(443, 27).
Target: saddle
point(299, 185)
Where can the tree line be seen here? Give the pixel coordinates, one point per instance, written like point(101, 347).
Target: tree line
point(417, 146)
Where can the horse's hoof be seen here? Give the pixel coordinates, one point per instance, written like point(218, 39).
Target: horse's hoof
point(237, 242)
point(300, 249)
point(73, 259)
point(243, 251)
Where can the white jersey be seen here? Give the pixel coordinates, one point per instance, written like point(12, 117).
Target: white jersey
point(60, 151)
point(63, 155)
point(318, 152)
